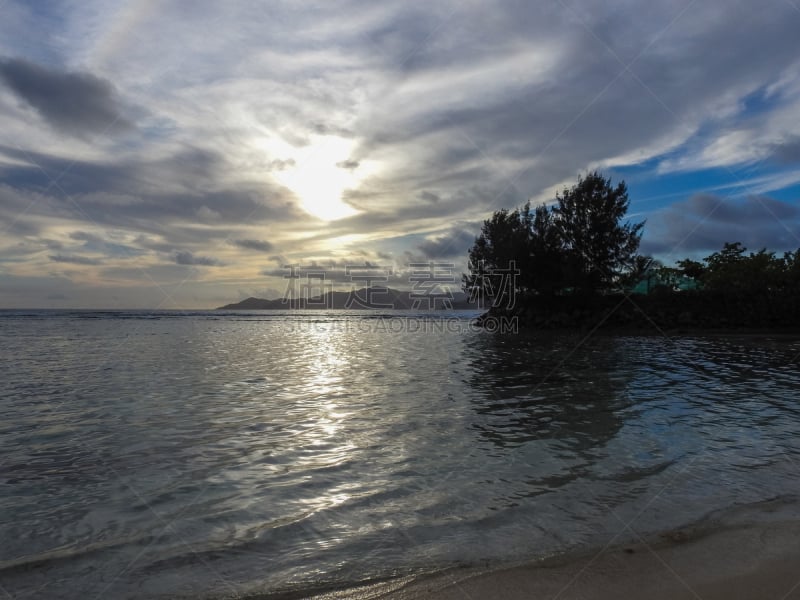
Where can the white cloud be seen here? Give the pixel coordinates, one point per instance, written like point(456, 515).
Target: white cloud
point(478, 107)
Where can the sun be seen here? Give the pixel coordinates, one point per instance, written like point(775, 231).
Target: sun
point(318, 176)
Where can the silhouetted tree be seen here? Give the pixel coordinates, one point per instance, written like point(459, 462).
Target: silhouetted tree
point(503, 244)
point(791, 271)
point(579, 245)
point(692, 269)
point(545, 253)
point(723, 271)
point(641, 268)
point(597, 244)
point(731, 270)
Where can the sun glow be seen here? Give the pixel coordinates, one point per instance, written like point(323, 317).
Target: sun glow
point(319, 176)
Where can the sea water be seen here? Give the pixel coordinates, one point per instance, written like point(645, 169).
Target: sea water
point(212, 454)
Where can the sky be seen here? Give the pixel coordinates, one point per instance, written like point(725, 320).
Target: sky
point(182, 155)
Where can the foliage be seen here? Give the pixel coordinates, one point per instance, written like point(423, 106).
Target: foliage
point(691, 269)
point(501, 246)
point(597, 244)
point(642, 268)
point(545, 252)
point(762, 272)
point(580, 244)
point(732, 270)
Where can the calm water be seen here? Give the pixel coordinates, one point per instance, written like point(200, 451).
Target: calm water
point(209, 454)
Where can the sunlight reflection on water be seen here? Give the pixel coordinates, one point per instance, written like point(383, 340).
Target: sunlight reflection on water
point(202, 452)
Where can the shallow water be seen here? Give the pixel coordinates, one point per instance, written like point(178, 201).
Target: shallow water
point(160, 454)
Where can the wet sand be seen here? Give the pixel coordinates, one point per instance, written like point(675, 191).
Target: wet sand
point(750, 552)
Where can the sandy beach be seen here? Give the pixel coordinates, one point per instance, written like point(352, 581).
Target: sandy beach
point(751, 552)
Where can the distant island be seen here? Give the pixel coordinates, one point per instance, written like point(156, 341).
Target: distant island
point(373, 298)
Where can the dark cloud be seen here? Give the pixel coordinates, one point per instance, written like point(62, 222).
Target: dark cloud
point(280, 165)
point(348, 164)
point(187, 258)
point(705, 222)
point(429, 196)
point(259, 245)
point(355, 272)
point(12, 223)
point(164, 198)
point(74, 103)
point(158, 274)
point(788, 151)
point(329, 129)
point(185, 171)
point(95, 243)
point(453, 243)
point(52, 244)
point(85, 236)
point(74, 259)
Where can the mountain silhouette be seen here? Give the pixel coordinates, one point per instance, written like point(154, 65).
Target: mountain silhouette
point(364, 299)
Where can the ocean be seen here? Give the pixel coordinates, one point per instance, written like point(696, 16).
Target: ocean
point(169, 454)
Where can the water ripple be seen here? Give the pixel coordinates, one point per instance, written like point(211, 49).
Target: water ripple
point(148, 454)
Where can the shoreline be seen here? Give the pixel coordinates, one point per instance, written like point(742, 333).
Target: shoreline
point(699, 311)
point(754, 332)
point(744, 552)
point(651, 329)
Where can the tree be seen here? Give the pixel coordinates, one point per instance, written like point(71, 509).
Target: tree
point(502, 245)
point(641, 268)
point(523, 240)
point(731, 270)
point(579, 245)
point(731, 253)
point(597, 244)
point(545, 253)
point(692, 269)
point(791, 271)
point(723, 268)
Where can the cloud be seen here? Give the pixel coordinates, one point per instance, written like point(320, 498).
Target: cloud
point(280, 165)
point(85, 236)
point(175, 198)
point(455, 242)
point(52, 244)
point(705, 222)
point(788, 151)
point(259, 245)
point(74, 259)
point(74, 103)
point(429, 196)
point(355, 272)
point(95, 243)
point(187, 258)
point(449, 112)
point(348, 164)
